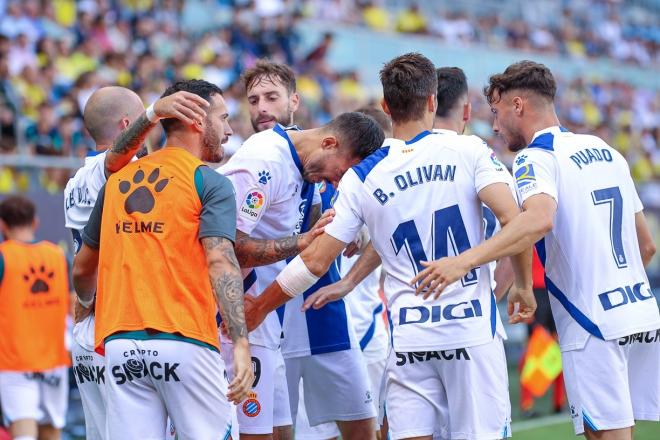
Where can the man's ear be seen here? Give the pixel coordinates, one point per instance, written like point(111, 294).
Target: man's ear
point(330, 142)
point(124, 123)
point(467, 111)
point(518, 105)
point(432, 103)
point(35, 223)
point(385, 108)
point(294, 102)
point(198, 126)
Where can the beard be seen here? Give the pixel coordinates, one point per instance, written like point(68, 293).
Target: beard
point(282, 119)
point(212, 146)
point(516, 143)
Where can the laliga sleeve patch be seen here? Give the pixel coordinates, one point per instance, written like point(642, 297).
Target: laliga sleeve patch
point(253, 204)
point(525, 178)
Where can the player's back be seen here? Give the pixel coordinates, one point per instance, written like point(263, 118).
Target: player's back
point(592, 260)
point(419, 201)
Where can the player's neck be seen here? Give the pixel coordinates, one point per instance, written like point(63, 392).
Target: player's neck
point(449, 124)
point(408, 130)
point(25, 234)
point(539, 122)
point(304, 142)
point(189, 142)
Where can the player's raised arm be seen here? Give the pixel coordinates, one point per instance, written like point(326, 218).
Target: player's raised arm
point(299, 275)
point(253, 252)
point(187, 107)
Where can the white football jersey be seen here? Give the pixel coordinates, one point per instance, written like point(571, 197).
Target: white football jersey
point(367, 313)
point(272, 199)
point(594, 271)
point(419, 200)
point(80, 196)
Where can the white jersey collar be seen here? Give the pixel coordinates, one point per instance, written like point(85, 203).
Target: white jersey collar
point(555, 129)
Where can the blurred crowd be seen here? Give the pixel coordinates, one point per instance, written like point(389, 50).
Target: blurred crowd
point(54, 54)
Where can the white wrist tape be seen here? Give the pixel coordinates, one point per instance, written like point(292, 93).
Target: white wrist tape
point(86, 304)
point(296, 278)
point(151, 114)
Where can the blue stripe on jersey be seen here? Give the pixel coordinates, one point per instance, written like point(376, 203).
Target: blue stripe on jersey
point(540, 250)
point(575, 313)
point(419, 137)
point(369, 334)
point(92, 153)
point(368, 163)
point(307, 194)
point(493, 313)
point(294, 154)
point(490, 220)
point(327, 328)
point(248, 282)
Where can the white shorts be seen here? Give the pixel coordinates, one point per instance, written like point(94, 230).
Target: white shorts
point(268, 406)
point(324, 431)
point(610, 384)
point(376, 371)
point(89, 372)
point(449, 394)
point(148, 379)
point(336, 386)
point(39, 396)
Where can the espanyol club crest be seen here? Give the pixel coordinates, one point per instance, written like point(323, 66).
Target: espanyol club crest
point(251, 406)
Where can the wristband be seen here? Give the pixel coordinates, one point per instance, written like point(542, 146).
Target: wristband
point(151, 114)
point(296, 278)
point(86, 304)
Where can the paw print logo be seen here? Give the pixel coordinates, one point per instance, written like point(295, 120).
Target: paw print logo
point(141, 199)
point(264, 177)
point(521, 159)
point(38, 279)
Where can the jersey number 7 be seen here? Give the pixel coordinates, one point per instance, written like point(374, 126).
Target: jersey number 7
point(612, 197)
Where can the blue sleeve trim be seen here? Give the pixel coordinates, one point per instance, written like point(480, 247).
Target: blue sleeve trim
point(2, 267)
point(364, 168)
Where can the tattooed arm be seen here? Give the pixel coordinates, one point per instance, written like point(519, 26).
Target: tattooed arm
point(185, 106)
point(253, 252)
point(227, 284)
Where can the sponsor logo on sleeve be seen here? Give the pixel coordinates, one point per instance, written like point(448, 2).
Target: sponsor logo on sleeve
point(526, 179)
point(253, 203)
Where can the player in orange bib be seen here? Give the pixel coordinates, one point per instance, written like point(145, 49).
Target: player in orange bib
point(34, 299)
point(158, 329)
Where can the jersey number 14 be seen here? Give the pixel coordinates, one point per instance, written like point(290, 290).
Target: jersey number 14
point(447, 229)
